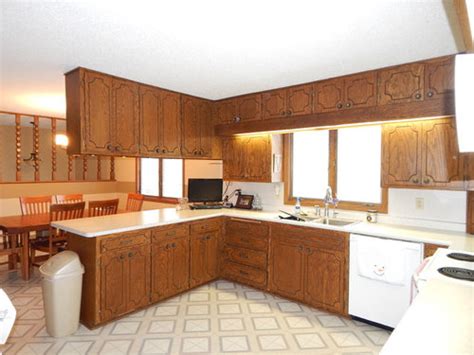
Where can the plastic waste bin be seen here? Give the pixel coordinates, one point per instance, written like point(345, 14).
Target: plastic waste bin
point(62, 288)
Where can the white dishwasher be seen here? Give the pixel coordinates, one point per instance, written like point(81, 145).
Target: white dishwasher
point(380, 277)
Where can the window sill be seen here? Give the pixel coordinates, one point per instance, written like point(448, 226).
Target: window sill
point(157, 199)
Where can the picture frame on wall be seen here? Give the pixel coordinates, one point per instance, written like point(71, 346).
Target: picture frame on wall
point(244, 202)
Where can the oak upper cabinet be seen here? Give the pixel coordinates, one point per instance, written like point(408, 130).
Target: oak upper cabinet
point(329, 95)
point(294, 101)
point(102, 114)
point(401, 84)
point(225, 111)
point(197, 128)
point(160, 122)
point(439, 78)
point(253, 158)
point(422, 154)
point(248, 107)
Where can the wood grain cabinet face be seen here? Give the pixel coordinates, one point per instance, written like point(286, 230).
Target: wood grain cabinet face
point(150, 116)
point(469, 170)
point(207, 129)
point(439, 78)
point(98, 121)
point(300, 100)
point(274, 104)
point(249, 107)
point(401, 84)
point(360, 90)
point(197, 128)
point(170, 122)
point(329, 95)
point(204, 249)
point(225, 110)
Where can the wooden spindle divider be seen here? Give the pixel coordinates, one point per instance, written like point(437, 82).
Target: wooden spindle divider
point(18, 146)
point(53, 149)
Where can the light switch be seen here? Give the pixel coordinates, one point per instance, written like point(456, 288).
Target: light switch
point(420, 203)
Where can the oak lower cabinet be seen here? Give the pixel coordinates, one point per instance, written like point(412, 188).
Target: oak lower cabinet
point(204, 242)
point(310, 265)
point(245, 254)
point(429, 249)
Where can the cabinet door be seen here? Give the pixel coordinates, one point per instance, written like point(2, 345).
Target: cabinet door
point(125, 117)
point(469, 170)
point(325, 279)
point(257, 159)
point(138, 275)
point(274, 104)
point(360, 90)
point(233, 158)
point(329, 95)
point(225, 111)
point(98, 114)
point(203, 258)
point(286, 268)
point(300, 100)
point(439, 78)
point(401, 84)
point(150, 129)
point(160, 274)
point(442, 163)
point(170, 124)
point(113, 284)
point(401, 154)
point(206, 129)
point(179, 265)
point(249, 107)
point(191, 126)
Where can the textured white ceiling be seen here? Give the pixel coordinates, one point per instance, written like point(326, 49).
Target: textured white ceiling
point(210, 48)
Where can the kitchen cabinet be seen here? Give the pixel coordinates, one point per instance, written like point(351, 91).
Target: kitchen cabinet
point(470, 213)
point(439, 78)
point(294, 101)
point(225, 111)
point(469, 170)
point(170, 252)
point(197, 128)
point(429, 249)
point(310, 265)
point(401, 84)
point(204, 252)
point(160, 122)
point(239, 109)
point(253, 158)
point(422, 154)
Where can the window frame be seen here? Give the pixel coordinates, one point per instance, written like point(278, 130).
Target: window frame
point(289, 199)
point(161, 199)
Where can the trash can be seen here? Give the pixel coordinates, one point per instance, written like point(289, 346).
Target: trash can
point(62, 288)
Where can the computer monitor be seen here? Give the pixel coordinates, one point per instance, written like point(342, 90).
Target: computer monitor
point(205, 190)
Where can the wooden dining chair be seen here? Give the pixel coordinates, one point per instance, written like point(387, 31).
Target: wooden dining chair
point(71, 198)
point(31, 205)
point(56, 239)
point(103, 208)
point(10, 248)
point(134, 202)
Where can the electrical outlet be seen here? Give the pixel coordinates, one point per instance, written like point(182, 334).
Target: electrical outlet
point(420, 203)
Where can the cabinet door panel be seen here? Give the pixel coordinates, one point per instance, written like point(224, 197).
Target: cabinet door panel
point(150, 112)
point(286, 269)
point(401, 160)
point(98, 113)
point(113, 285)
point(360, 90)
point(274, 104)
point(170, 123)
point(329, 95)
point(300, 100)
point(402, 84)
point(249, 107)
point(233, 157)
point(226, 111)
point(203, 258)
point(126, 117)
point(206, 129)
point(191, 127)
point(179, 264)
point(442, 164)
point(469, 171)
point(439, 78)
point(326, 279)
point(257, 158)
point(160, 265)
point(138, 277)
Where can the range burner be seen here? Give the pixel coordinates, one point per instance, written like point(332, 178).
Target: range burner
point(461, 256)
point(457, 273)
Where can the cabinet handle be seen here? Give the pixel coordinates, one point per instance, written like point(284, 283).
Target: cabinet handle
point(208, 237)
point(236, 119)
point(195, 152)
point(418, 96)
point(348, 105)
point(163, 151)
point(122, 257)
point(283, 113)
point(109, 147)
point(130, 254)
point(426, 180)
point(339, 105)
point(289, 113)
point(300, 248)
point(416, 181)
point(430, 94)
point(308, 250)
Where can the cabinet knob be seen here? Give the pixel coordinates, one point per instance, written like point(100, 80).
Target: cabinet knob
point(430, 94)
point(163, 151)
point(109, 147)
point(157, 150)
point(122, 257)
point(118, 148)
point(308, 250)
point(236, 119)
point(348, 105)
point(195, 152)
point(416, 181)
point(339, 105)
point(418, 96)
point(426, 180)
point(283, 113)
point(130, 254)
point(289, 112)
point(300, 248)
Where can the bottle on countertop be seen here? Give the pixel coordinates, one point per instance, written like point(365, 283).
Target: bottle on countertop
point(298, 205)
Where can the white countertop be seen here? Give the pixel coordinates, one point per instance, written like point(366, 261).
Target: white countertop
point(125, 222)
point(440, 321)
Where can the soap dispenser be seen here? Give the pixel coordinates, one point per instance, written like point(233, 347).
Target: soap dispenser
point(298, 205)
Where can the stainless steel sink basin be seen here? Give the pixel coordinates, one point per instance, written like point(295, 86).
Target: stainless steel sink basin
point(335, 221)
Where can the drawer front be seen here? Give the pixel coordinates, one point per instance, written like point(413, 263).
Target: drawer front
point(240, 226)
point(247, 241)
point(322, 238)
point(124, 241)
point(246, 256)
point(180, 230)
point(245, 274)
point(206, 226)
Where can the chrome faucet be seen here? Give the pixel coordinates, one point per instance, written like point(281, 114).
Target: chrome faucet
point(327, 200)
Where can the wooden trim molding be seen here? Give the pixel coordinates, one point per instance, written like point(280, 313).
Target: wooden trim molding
point(465, 24)
point(470, 212)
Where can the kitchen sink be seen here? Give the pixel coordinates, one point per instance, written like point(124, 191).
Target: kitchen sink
point(335, 221)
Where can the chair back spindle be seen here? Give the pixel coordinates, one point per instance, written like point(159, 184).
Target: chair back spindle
point(32, 205)
point(103, 208)
point(134, 202)
point(71, 198)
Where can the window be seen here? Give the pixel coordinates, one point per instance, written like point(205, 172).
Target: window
point(347, 159)
point(161, 178)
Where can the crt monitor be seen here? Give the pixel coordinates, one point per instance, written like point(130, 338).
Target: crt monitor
point(205, 190)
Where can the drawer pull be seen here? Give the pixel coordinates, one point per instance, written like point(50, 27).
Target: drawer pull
point(171, 233)
point(122, 257)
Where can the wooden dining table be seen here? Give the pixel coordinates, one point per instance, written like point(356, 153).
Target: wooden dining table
point(21, 226)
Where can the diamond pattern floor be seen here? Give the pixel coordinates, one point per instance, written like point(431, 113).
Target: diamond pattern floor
point(217, 318)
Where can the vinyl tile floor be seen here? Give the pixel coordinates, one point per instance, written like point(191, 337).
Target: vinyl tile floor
point(220, 317)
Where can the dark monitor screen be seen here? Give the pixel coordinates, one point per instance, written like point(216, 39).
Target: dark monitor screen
point(205, 190)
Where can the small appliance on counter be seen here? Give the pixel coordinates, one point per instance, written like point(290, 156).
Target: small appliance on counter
point(205, 193)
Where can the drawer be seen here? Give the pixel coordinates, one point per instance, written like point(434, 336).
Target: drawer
point(179, 230)
point(239, 226)
point(124, 240)
point(247, 241)
point(322, 238)
point(206, 226)
point(245, 274)
point(246, 256)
